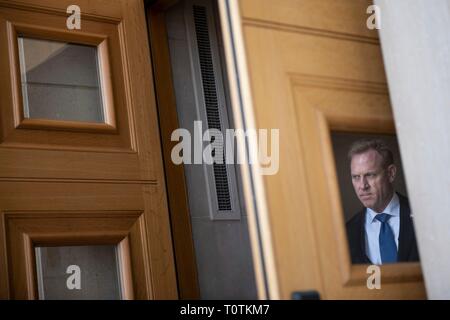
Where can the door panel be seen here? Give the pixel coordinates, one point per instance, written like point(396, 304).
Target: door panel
point(74, 182)
point(345, 17)
point(314, 68)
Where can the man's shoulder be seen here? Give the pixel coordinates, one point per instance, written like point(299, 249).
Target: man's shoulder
point(404, 201)
point(356, 220)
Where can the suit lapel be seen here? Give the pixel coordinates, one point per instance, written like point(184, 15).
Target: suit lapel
point(362, 237)
point(406, 234)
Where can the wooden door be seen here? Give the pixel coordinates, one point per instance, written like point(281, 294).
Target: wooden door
point(314, 67)
point(80, 157)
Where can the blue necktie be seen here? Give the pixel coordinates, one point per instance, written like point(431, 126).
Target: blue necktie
point(388, 248)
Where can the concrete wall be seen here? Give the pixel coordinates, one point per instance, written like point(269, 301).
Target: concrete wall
point(415, 41)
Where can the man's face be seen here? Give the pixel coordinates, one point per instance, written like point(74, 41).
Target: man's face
point(372, 182)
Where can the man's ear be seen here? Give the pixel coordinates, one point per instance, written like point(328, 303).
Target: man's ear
point(392, 171)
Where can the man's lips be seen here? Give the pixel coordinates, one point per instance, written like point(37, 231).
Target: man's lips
point(365, 195)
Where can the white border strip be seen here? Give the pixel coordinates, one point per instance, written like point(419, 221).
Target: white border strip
point(40, 276)
point(253, 184)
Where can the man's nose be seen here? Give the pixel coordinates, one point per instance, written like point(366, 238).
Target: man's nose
point(364, 184)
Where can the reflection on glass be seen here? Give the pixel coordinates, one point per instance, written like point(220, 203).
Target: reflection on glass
point(373, 194)
point(60, 81)
point(78, 273)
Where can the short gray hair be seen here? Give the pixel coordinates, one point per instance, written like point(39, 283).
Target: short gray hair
point(363, 145)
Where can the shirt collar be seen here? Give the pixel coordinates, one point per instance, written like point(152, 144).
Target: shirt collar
point(391, 208)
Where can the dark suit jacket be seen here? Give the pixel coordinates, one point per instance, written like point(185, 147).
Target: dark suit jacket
point(407, 246)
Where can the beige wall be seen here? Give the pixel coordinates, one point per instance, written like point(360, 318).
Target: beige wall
point(416, 48)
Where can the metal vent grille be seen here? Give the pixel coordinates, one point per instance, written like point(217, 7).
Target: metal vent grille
point(211, 101)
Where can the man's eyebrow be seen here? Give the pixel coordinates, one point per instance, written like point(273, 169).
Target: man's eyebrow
point(362, 174)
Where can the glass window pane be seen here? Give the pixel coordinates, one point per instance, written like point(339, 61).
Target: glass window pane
point(78, 273)
point(368, 188)
point(60, 81)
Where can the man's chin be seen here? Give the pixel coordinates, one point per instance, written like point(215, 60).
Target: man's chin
point(367, 203)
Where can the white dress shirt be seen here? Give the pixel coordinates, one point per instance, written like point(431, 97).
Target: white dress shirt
point(373, 227)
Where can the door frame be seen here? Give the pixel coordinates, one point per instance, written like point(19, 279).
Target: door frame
point(183, 244)
point(251, 178)
point(243, 110)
